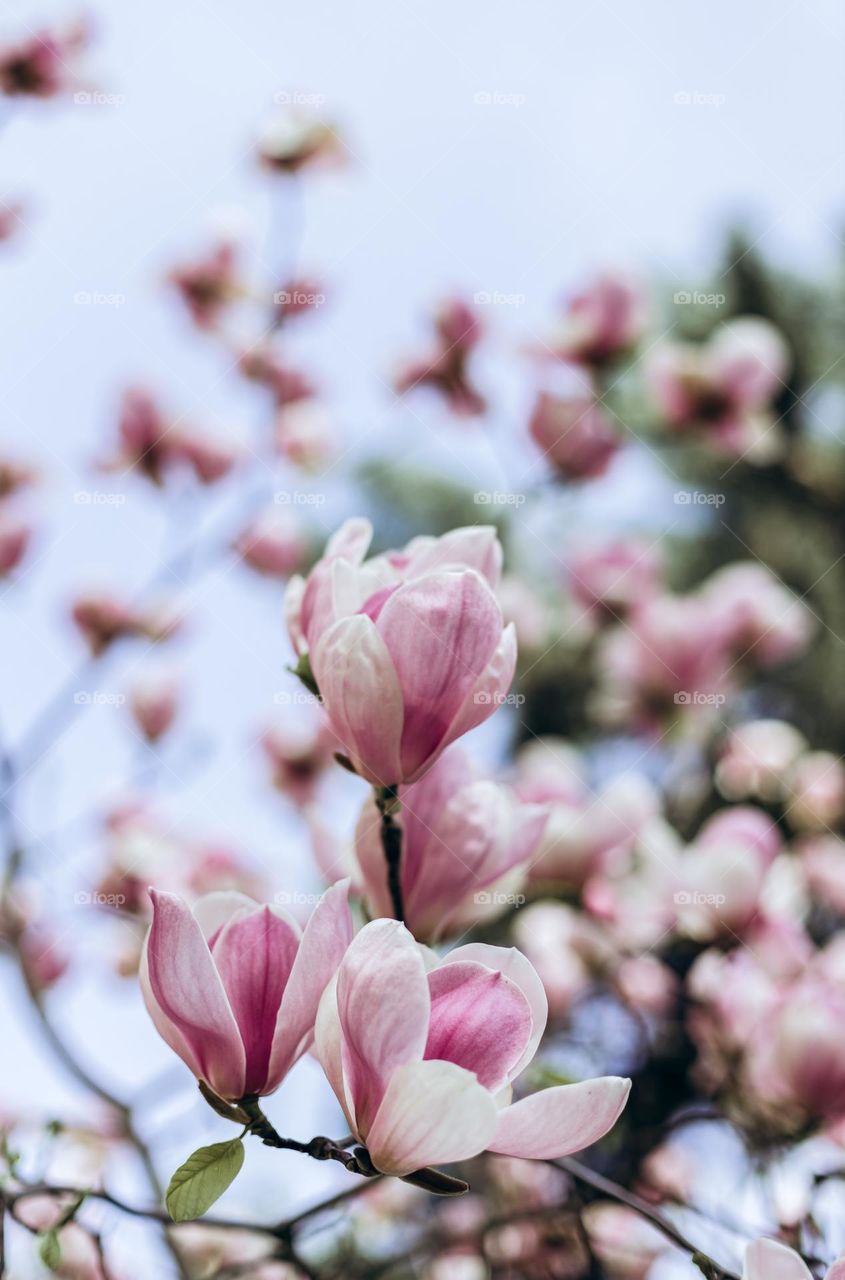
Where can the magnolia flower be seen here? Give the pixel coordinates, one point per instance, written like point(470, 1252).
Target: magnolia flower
point(604, 320)
point(233, 987)
point(610, 580)
point(274, 543)
point(153, 444)
point(408, 649)
point(294, 140)
point(723, 389)
point(421, 1054)
point(261, 364)
point(465, 846)
point(41, 66)
point(458, 330)
point(574, 434)
point(154, 703)
point(208, 285)
point(770, 1260)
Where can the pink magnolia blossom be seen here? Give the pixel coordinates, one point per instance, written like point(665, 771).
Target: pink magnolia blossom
point(458, 331)
point(274, 544)
point(757, 758)
point(759, 617)
point(265, 366)
point(421, 1055)
point(41, 66)
point(574, 434)
point(603, 320)
point(465, 848)
point(723, 390)
point(771, 1260)
point(408, 649)
point(154, 444)
point(208, 285)
point(816, 792)
point(154, 704)
point(303, 434)
point(298, 752)
point(234, 987)
point(103, 618)
point(294, 140)
point(610, 580)
point(297, 297)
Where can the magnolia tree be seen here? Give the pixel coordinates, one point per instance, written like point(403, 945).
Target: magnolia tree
point(620, 937)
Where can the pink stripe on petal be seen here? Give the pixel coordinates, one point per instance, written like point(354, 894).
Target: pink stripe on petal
point(771, 1260)
point(555, 1122)
point(432, 1113)
point(362, 697)
point(187, 989)
point(479, 1020)
point(383, 1005)
point(254, 954)
point(441, 632)
point(326, 938)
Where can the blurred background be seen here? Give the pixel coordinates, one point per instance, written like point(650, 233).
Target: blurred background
point(365, 262)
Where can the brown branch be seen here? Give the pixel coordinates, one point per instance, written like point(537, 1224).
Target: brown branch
point(387, 802)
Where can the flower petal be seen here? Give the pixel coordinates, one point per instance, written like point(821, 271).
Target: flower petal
point(383, 1005)
point(770, 1260)
point(254, 954)
point(474, 547)
point(514, 965)
point(558, 1121)
point(186, 987)
point(213, 910)
point(327, 935)
point(490, 689)
point(328, 1045)
point(431, 1113)
point(362, 697)
point(441, 631)
point(480, 1020)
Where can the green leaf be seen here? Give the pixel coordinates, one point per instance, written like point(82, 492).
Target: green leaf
point(50, 1251)
point(202, 1179)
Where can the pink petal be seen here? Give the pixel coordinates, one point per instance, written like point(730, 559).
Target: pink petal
point(480, 1020)
point(514, 965)
point(555, 1122)
point(326, 938)
point(362, 697)
point(254, 954)
point(213, 910)
point(328, 1046)
point(837, 1271)
point(314, 612)
point(431, 1113)
point(186, 987)
point(441, 631)
point(490, 689)
point(383, 1005)
point(475, 547)
point(770, 1260)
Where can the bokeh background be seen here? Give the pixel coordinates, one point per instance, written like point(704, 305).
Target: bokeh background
point(496, 153)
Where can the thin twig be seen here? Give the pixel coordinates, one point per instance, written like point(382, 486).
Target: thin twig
point(387, 801)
